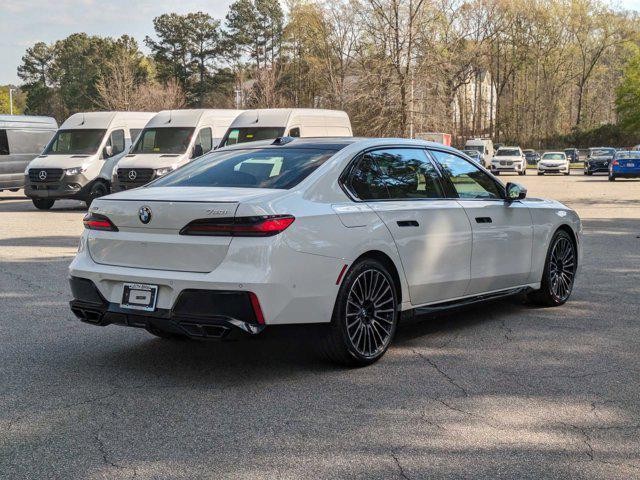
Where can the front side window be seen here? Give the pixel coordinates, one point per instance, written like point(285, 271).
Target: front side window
point(116, 140)
point(408, 173)
point(4, 143)
point(167, 140)
point(281, 168)
point(294, 132)
point(134, 132)
point(205, 140)
point(467, 179)
point(75, 142)
point(243, 135)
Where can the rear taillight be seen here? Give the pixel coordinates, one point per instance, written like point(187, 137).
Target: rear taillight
point(264, 226)
point(94, 221)
point(615, 163)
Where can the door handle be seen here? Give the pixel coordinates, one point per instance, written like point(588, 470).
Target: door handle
point(483, 220)
point(407, 223)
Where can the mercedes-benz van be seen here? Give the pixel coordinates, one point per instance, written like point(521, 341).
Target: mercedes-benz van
point(171, 139)
point(22, 137)
point(484, 146)
point(78, 162)
point(270, 123)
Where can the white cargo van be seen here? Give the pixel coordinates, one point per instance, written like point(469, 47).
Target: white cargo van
point(22, 137)
point(171, 139)
point(270, 123)
point(484, 146)
point(78, 161)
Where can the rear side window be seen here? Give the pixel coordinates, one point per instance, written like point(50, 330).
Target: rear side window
point(4, 143)
point(280, 168)
point(366, 182)
point(251, 134)
point(116, 140)
point(205, 140)
point(134, 132)
point(467, 179)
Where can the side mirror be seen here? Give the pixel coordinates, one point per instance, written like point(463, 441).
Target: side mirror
point(197, 151)
point(107, 151)
point(515, 191)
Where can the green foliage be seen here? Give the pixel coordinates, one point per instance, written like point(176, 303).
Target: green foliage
point(187, 49)
point(19, 99)
point(628, 95)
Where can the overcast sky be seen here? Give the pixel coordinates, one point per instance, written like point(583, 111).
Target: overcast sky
point(25, 22)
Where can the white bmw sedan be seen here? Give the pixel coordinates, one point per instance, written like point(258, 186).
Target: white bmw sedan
point(350, 233)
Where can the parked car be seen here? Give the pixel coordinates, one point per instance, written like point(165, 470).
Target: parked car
point(532, 157)
point(572, 155)
point(22, 138)
point(169, 140)
point(332, 231)
point(271, 123)
point(509, 159)
point(598, 160)
point(474, 155)
point(484, 146)
point(79, 160)
point(625, 165)
point(554, 162)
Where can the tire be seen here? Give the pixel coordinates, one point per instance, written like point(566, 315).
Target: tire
point(588, 173)
point(540, 173)
point(43, 203)
point(559, 272)
point(612, 178)
point(97, 190)
point(361, 331)
point(14, 190)
point(568, 173)
point(496, 173)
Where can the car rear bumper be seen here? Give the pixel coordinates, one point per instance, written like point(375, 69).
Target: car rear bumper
point(287, 294)
point(625, 173)
point(202, 314)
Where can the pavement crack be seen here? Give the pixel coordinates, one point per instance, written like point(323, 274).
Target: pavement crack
point(507, 331)
point(586, 439)
point(442, 372)
point(401, 471)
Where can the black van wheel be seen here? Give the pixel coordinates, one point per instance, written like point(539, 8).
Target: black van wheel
point(43, 203)
point(98, 189)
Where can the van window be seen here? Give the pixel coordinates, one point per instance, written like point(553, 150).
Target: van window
point(116, 140)
point(167, 140)
point(252, 134)
point(28, 141)
point(81, 141)
point(134, 132)
point(294, 132)
point(205, 139)
point(4, 143)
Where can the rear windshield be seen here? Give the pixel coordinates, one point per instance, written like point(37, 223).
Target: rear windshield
point(628, 154)
point(504, 152)
point(602, 152)
point(163, 140)
point(83, 141)
point(477, 148)
point(553, 156)
point(243, 135)
point(281, 168)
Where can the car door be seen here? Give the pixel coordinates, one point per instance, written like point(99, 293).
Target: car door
point(432, 233)
point(502, 230)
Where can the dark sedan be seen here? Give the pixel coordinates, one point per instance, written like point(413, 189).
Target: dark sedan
point(598, 160)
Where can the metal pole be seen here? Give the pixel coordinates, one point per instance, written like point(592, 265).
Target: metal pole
point(11, 101)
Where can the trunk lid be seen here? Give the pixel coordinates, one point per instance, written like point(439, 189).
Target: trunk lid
point(157, 244)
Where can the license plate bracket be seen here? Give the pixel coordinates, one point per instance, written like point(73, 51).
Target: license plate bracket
point(139, 296)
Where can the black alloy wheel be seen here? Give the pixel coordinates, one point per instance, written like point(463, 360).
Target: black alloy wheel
point(365, 316)
point(559, 272)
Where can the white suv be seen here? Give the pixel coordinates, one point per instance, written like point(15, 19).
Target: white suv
point(509, 159)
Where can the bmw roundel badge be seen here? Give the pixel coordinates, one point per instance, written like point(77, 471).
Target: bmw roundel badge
point(144, 214)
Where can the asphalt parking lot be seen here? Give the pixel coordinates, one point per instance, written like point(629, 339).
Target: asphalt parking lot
point(502, 391)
